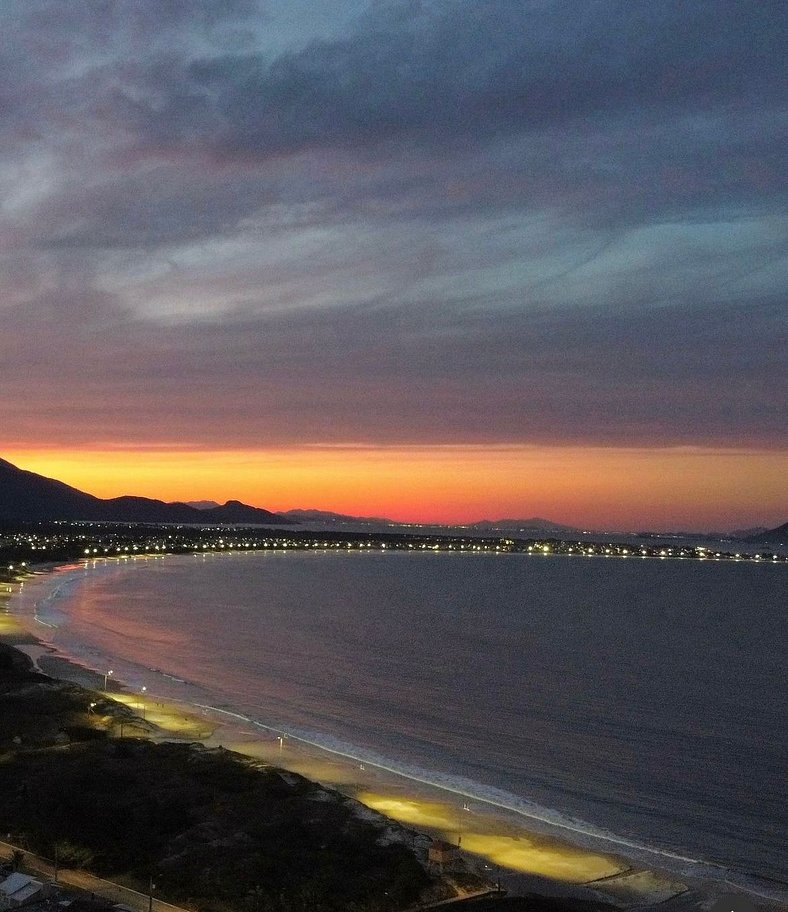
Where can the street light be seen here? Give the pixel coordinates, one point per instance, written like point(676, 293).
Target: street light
point(142, 702)
point(107, 674)
point(91, 708)
point(465, 807)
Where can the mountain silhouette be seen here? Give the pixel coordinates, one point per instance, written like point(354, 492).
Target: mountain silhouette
point(778, 536)
point(28, 497)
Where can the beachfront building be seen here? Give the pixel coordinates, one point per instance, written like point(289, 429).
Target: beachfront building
point(20, 890)
point(442, 854)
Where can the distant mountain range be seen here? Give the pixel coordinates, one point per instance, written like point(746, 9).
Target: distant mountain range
point(25, 496)
point(327, 516)
point(521, 525)
point(534, 525)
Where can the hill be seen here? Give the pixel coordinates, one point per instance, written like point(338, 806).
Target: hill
point(534, 524)
point(778, 536)
point(28, 497)
point(327, 516)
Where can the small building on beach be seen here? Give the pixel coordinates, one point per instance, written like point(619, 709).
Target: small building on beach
point(20, 890)
point(442, 854)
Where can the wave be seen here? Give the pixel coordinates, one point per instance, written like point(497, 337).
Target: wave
point(583, 833)
point(46, 611)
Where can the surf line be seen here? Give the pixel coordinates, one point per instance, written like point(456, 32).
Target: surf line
point(578, 828)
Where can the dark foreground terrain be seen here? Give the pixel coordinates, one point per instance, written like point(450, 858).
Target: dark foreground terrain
point(215, 831)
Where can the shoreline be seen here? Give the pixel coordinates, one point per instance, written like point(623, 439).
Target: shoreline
point(523, 852)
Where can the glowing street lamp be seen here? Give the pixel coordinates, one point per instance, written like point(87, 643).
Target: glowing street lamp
point(465, 807)
point(107, 674)
point(142, 701)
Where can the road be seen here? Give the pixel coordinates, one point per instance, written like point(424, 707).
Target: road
point(106, 889)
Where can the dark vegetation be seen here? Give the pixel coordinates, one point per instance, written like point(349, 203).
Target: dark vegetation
point(38, 711)
point(215, 830)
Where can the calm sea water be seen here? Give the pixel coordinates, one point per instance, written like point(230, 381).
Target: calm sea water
point(644, 699)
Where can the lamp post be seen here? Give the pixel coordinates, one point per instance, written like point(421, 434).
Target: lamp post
point(142, 701)
point(466, 808)
point(107, 674)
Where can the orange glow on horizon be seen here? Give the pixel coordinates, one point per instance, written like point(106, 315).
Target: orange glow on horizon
point(587, 487)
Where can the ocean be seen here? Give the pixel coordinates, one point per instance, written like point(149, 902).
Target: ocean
point(642, 701)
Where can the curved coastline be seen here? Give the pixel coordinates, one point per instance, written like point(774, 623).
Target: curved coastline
point(512, 812)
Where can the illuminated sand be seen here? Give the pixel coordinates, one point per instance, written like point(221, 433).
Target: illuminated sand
point(165, 719)
point(9, 626)
point(12, 631)
point(426, 808)
point(477, 834)
point(491, 839)
point(488, 836)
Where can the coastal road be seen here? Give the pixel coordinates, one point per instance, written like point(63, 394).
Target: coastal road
point(81, 880)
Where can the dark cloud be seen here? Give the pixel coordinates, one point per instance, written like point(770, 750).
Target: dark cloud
point(460, 222)
point(455, 71)
point(607, 111)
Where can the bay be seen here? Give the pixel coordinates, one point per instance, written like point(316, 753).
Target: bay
point(641, 699)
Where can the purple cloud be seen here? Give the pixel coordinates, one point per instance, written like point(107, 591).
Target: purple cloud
point(454, 222)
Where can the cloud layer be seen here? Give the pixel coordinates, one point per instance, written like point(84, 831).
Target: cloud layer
point(418, 222)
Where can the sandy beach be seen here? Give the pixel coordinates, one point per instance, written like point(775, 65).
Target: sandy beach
point(524, 856)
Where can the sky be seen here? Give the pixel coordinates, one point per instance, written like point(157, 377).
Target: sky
point(430, 259)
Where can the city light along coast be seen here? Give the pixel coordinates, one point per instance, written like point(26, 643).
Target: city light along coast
point(31, 544)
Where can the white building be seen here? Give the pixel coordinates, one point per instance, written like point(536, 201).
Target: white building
point(19, 889)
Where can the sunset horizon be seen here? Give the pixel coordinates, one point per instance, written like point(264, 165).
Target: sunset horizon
point(596, 488)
